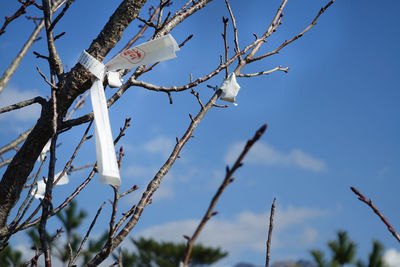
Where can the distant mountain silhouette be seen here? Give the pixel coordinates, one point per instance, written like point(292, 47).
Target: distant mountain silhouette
point(242, 264)
point(299, 263)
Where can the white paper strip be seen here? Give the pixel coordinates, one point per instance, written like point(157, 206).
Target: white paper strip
point(41, 185)
point(106, 159)
point(150, 52)
point(159, 49)
point(230, 89)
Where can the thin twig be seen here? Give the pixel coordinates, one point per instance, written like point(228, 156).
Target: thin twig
point(78, 252)
point(54, 59)
point(221, 106)
point(5, 78)
point(60, 15)
point(13, 144)
point(255, 46)
point(133, 188)
point(279, 68)
point(55, 68)
point(18, 217)
point(5, 162)
point(45, 79)
point(235, 31)
point(157, 88)
point(46, 202)
point(123, 129)
point(285, 43)
point(225, 21)
point(362, 198)
point(141, 32)
point(113, 215)
point(73, 169)
point(270, 228)
point(227, 180)
point(125, 216)
point(69, 163)
point(148, 23)
point(58, 36)
point(78, 104)
point(196, 94)
point(18, 13)
point(33, 261)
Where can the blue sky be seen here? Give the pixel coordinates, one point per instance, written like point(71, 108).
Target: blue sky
point(333, 123)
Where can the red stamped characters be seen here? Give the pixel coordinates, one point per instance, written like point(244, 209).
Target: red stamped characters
point(133, 55)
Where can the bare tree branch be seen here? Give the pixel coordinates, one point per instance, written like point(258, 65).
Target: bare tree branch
point(264, 72)
point(22, 104)
point(227, 180)
point(270, 228)
point(5, 78)
point(16, 142)
point(141, 32)
point(33, 261)
point(78, 252)
point(362, 198)
point(235, 31)
point(285, 43)
point(225, 22)
point(17, 60)
point(60, 15)
point(6, 162)
point(18, 13)
point(54, 58)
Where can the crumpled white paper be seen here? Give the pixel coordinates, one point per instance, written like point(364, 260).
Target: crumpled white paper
point(44, 151)
point(41, 185)
point(230, 88)
point(159, 49)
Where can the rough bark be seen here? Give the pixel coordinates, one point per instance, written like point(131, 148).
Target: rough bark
point(70, 86)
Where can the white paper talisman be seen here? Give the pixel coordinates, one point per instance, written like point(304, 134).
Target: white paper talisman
point(159, 49)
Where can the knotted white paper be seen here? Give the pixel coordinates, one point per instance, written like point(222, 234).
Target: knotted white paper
point(230, 88)
point(41, 185)
point(44, 151)
point(159, 49)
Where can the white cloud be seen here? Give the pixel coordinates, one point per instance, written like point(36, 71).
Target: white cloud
point(161, 145)
point(264, 154)
point(247, 231)
point(163, 192)
point(12, 96)
point(309, 236)
point(139, 171)
point(392, 257)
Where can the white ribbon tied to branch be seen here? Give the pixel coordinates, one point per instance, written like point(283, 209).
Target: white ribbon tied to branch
point(156, 50)
point(41, 185)
point(230, 88)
